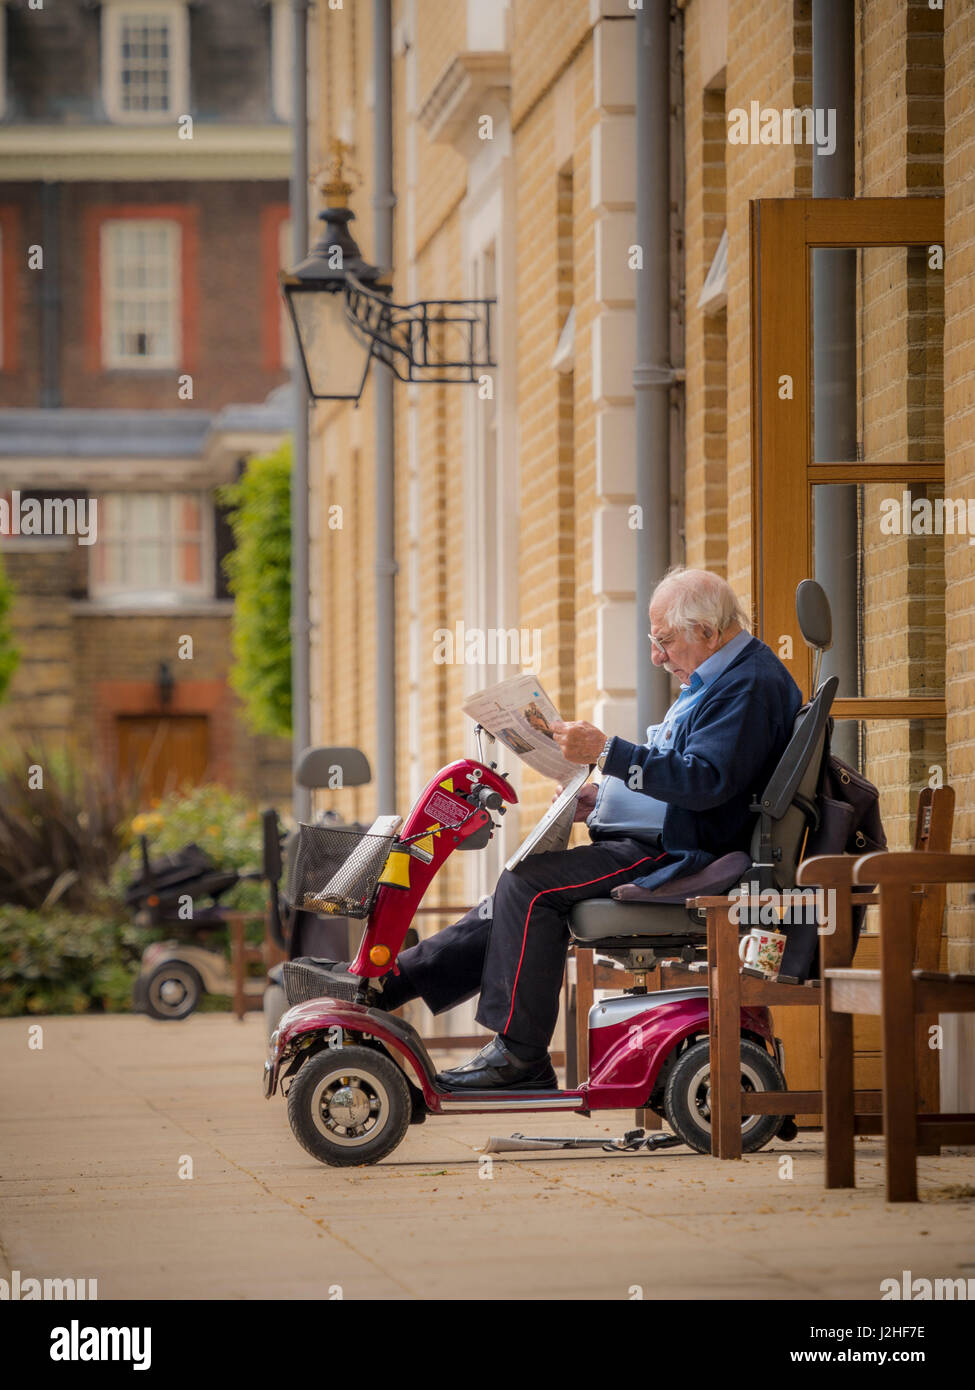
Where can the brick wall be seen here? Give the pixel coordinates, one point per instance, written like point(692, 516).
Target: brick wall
point(555, 424)
point(959, 411)
point(706, 345)
point(54, 67)
point(544, 39)
point(555, 90)
point(20, 216)
point(900, 330)
point(539, 322)
point(72, 659)
point(768, 62)
point(225, 261)
point(586, 116)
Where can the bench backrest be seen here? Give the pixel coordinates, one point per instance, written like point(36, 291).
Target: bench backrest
point(932, 832)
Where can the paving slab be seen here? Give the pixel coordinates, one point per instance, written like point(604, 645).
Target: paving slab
point(100, 1128)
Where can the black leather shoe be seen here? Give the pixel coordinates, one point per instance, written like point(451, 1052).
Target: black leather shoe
point(496, 1069)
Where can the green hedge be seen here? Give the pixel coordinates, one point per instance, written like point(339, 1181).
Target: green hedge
point(259, 575)
point(59, 962)
point(9, 653)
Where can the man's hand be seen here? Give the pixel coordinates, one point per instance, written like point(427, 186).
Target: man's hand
point(580, 742)
point(585, 803)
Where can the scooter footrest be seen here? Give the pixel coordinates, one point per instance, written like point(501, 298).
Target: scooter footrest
point(303, 981)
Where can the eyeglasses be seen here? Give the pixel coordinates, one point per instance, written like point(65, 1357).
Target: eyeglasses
point(663, 644)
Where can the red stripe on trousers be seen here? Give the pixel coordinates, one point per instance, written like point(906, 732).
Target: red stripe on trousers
point(560, 888)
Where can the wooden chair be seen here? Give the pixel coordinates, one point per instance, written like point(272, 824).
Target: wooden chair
point(907, 993)
point(248, 995)
point(932, 835)
point(729, 989)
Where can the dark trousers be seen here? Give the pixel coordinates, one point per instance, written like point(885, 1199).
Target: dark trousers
point(512, 947)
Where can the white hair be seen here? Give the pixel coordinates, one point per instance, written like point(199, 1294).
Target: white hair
point(693, 597)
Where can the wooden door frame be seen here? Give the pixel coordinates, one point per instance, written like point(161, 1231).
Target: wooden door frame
point(783, 234)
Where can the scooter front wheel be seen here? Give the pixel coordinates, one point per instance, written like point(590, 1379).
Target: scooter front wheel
point(349, 1105)
point(172, 991)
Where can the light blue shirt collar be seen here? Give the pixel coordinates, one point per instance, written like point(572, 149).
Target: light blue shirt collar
point(710, 669)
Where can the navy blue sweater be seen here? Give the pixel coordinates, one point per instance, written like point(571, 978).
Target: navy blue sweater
point(723, 754)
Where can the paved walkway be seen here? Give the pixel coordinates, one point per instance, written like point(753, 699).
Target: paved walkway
point(94, 1128)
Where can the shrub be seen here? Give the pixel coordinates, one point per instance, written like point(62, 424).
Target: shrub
point(259, 575)
point(61, 962)
point(9, 653)
point(221, 822)
point(61, 827)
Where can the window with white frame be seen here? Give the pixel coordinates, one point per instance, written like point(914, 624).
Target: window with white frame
point(141, 292)
point(154, 547)
point(145, 59)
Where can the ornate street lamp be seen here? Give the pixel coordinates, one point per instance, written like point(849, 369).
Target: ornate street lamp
point(335, 293)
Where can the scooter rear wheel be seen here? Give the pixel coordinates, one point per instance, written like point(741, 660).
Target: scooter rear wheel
point(687, 1100)
point(349, 1105)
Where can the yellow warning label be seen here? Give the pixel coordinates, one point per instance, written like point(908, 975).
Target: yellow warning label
point(423, 847)
point(448, 784)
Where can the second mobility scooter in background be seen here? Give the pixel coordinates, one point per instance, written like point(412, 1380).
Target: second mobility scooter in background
point(294, 929)
point(192, 961)
point(357, 1077)
point(177, 972)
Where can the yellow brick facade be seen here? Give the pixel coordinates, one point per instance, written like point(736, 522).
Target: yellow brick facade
point(959, 424)
point(562, 437)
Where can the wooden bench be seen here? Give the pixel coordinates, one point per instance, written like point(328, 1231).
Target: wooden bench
point(908, 995)
point(729, 989)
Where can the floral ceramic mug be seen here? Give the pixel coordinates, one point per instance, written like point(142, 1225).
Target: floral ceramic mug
point(762, 950)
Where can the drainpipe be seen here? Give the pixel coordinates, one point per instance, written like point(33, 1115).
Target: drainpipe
point(834, 357)
point(384, 201)
point(652, 374)
point(300, 624)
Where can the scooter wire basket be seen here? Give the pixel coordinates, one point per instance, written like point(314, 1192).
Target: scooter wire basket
point(336, 869)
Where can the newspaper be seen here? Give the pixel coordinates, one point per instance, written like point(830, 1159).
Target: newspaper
point(555, 827)
point(520, 715)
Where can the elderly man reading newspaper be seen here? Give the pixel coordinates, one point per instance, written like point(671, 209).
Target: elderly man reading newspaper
point(663, 808)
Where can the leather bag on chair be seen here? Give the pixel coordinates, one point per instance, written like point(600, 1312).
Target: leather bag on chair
point(849, 813)
point(849, 823)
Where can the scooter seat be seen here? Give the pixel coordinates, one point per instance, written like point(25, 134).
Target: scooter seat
point(602, 919)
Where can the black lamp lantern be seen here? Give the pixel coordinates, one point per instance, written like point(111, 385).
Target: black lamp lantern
point(335, 294)
point(316, 299)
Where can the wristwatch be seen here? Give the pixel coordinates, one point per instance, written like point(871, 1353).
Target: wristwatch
point(601, 760)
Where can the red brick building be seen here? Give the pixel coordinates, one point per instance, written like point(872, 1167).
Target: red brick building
point(143, 356)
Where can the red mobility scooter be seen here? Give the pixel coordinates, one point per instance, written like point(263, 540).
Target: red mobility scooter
point(356, 1077)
